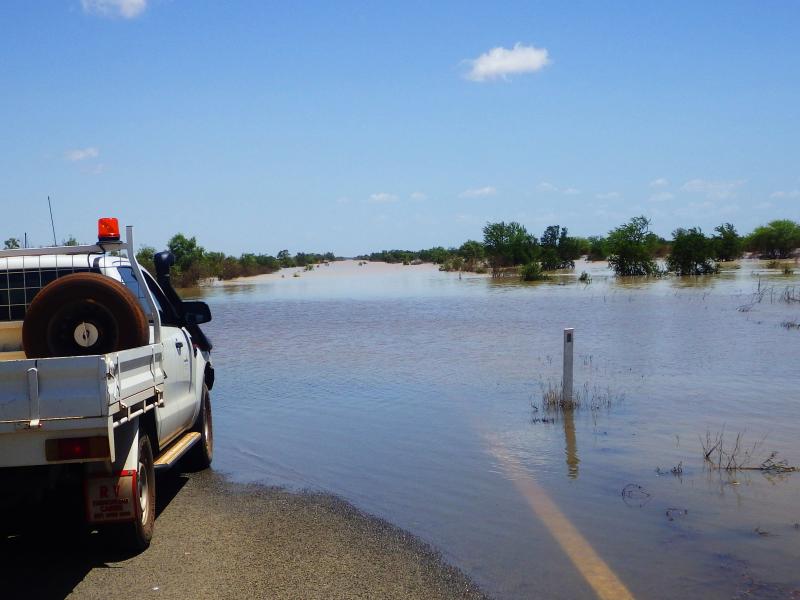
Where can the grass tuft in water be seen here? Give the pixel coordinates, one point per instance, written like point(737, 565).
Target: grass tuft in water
point(593, 398)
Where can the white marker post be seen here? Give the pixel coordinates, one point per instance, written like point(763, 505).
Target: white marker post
point(566, 378)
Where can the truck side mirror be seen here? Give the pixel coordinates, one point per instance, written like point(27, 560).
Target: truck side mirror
point(196, 313)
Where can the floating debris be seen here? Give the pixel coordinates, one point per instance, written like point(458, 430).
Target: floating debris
point(673, 513)
point(635, 495)
point(763, 532)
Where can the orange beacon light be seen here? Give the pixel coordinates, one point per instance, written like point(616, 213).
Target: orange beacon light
point(108, 229)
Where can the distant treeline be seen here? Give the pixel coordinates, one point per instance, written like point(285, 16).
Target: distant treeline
point(509, 249)
point(630, 249)
point(194, 263)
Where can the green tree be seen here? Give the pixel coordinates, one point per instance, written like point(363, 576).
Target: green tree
point(12, 243)
point(213, 264)
point(583, 245)
point(557, 249)
point(301, 259)
point(777, 239)
point(185, 250)
point(692, 253)
point(69, 241)
point(267, 263)
point(438, 255)
point(728, 244)
point(145, 258)
point(248, 263)
point(508, 245)
point(568, 249)
point(285, 259)
point(631, 248)
point(190, 261)
point(597, 248)
point(473, 254)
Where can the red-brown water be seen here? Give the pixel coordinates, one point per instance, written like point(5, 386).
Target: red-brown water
point(409, 392)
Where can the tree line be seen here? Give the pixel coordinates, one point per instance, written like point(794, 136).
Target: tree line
point(194, 263)
point(631, 249)
point(509, 249)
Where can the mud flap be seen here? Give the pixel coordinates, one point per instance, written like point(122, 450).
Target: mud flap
point(112, 499)
point(111, 490)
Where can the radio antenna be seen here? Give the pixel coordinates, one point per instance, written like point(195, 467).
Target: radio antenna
point(52, 223)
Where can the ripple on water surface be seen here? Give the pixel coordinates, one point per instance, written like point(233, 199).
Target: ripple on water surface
point(383, 383)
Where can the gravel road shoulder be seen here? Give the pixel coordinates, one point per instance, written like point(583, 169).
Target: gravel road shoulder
point(215, 539)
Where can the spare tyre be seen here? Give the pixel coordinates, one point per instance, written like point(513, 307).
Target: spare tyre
point(82, 314)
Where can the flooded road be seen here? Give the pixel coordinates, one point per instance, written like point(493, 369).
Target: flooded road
point(417, 395)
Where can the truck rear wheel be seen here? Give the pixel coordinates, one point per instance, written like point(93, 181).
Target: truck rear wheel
point(136, 535)
point(202, 453)
point(83, 314)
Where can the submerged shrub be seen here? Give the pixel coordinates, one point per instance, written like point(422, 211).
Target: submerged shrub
point(597, 248)
point(532, 272)
point(777, 239)
point(728, 244)
point(632, 248)
point(692, 253)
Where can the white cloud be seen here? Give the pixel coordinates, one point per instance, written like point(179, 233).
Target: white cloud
point(660, 182)
point(785, 194)
point(713, 189)
point(478, 192)
point(382, 198)
point(78, 154)
point(419, 196)
point(764, 205)
point(499, 63)
point(549, 188)
point(608, 196)
point(127, 9)
point(661, 197)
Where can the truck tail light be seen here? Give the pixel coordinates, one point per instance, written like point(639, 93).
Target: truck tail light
point(76, 448)
point(108, 229)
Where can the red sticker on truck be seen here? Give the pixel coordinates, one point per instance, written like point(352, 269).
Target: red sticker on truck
point(111, 499)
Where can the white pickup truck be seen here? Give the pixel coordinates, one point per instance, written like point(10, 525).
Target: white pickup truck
point(104, 378)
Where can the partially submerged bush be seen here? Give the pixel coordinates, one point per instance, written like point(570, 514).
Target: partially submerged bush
point(632, 248)
point(777, 239)
point(692, 253)
point(532, 272)
point(727, 243)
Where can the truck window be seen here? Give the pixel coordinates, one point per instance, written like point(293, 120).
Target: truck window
point(165, 309)
point(18, 287)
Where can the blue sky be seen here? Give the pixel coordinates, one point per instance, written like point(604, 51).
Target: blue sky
point(358, 126)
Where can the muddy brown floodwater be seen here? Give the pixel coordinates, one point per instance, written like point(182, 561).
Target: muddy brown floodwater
point(416, 395)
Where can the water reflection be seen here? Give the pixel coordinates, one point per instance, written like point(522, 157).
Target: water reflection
point(571, 441)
